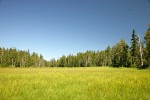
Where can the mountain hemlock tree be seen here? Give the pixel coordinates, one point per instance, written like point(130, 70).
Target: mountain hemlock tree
point(147, 49)
point(108, 56)
point(115, 56)
point(1, 55)
point(52, 63)
point(41, 61)
point(134, 49)
point(123, 53)
point(120, 54)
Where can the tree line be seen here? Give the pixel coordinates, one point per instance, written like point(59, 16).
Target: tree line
point(119, 55)
point(11, 57)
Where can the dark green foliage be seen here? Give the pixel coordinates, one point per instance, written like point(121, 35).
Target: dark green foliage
point(17, 58)
point(135, 50)
point(147, 49)
point(119, 55)
point(52, 63)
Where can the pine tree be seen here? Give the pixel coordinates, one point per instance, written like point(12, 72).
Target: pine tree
point(52, 63)
point(108, 56)
point(41, 61)
point(134, 49)
point(1, 56)
point(147, 49)
point(62, 61)
point(120, 54)
point(34, 59)
point(123, 52)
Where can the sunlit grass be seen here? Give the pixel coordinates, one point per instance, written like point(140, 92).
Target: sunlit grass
point(93, 83)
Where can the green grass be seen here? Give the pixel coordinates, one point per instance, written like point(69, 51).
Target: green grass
point(94, 83)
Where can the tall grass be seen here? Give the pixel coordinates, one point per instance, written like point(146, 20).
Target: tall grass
point(94, 83)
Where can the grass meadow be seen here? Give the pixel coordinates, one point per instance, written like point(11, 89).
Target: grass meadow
point(89, 83)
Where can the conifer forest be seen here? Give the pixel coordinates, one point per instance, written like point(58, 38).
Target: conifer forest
point(136, 54)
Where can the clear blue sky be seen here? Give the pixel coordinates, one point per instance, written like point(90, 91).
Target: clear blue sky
point(56, 27)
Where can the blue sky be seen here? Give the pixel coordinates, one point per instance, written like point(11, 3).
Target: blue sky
point(56, 27)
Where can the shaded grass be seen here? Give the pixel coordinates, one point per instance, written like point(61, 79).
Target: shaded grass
point(94, 83)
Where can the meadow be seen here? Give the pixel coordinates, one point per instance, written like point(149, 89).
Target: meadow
point(89, 83)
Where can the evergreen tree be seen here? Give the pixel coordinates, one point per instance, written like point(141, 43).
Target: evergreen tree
point(123, 53)
point(41, 61)
point(52, 63)
point(62, 61)
point(108, 56)
point(34, 59)
point(134, 49)
point(120, 54)
point(1, 56)
point(147, 49)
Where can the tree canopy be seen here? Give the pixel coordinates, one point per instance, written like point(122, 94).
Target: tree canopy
point(119, 55)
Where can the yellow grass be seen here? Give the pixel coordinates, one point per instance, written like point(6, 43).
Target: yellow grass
point(93, 83)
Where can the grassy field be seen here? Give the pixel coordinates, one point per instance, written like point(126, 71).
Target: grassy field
point(94, 83)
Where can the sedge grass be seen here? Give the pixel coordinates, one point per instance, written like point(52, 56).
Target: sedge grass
point(90, 83)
